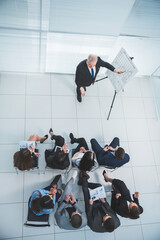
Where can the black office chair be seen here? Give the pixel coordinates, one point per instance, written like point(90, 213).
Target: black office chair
point(36, 221)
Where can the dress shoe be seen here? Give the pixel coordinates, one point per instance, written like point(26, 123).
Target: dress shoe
point(46, 136)
point(79, 98)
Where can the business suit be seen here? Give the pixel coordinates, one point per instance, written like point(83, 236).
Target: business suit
point(83, 75)
point(97, 210)
point(120, 205)
point(52, 157)
point(107, 158)
point(62, 215)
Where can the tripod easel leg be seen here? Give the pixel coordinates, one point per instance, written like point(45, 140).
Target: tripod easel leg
point(111, 105)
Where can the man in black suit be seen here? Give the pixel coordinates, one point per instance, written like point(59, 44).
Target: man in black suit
point(101, 218)
point(112, 156)
point(122, 202)
point(87, 71)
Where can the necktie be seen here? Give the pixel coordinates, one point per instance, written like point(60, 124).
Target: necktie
point(92, 71)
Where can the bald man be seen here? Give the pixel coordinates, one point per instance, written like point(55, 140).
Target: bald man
point(87, 71)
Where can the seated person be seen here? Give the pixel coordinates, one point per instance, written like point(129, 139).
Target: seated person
point(58, 157)
point(83, 158)
point(43, 201)
point(101, 218)
point(122, 202)
point(69, 215)
point(26, 159)
point(112, 156)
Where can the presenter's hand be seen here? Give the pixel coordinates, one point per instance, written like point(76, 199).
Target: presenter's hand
point(90, 201)
point(82, 91)
point(136, 194)
point(118, 71)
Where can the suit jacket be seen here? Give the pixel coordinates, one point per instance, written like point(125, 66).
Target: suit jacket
point(107, 158)
point(63, 219)
point(95, 218)
point(83, 75)
point(120, 205)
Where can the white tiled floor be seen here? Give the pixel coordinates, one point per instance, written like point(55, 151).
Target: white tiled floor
point(32, 103)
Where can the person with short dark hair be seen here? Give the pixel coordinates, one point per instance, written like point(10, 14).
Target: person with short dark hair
point(101, 218)
point(112, 156)
point(87, 71)
point(43, 201)
point(69, 214)
point(25, 159)
point(58, 157)
point(122, 202)
point(82, 157)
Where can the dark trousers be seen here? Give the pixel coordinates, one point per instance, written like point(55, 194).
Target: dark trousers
point(59, 140)
point(81, 143)
point(78, 90)
point(98, 149)
point(85, 186)
point(55, 180)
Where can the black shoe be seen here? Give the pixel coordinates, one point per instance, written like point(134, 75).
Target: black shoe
point(46, 136)
point(50, 130)
point(72, 138)
point(52, 136)
point(104, 176)
point(79, 98)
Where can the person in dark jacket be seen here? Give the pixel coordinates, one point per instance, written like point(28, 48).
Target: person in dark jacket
point(121, 202)
point(101, 218)
point(58, 157)
point(112, 156)
point(87, 71)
